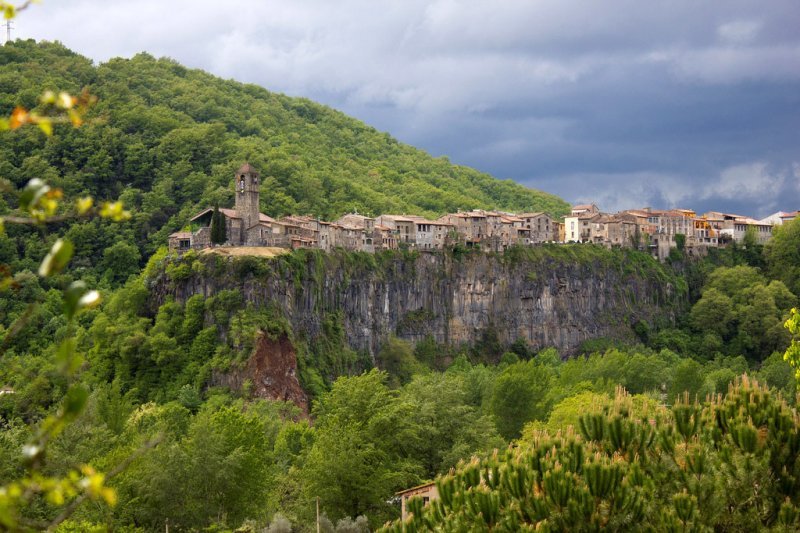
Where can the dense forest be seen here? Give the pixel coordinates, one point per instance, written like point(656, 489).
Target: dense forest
point(611, 438)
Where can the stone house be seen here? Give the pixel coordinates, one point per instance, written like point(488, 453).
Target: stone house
point(734, 227)
point(584, 210)
point(559, 231)
point(180, 241)
point(577, 225)
point(578, 228)
point(427, 491)
point(430, 234)
point(384, 238)
point(542, 228)
point(513, 231)
point(621, 231)
point(358, 231)
point(472, 227)
point(306, 227)
point(403, 228)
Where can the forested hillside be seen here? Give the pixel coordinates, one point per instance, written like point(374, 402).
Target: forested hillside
point(167, 140)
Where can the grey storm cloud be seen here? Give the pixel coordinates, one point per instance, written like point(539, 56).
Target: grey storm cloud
point(624, 102)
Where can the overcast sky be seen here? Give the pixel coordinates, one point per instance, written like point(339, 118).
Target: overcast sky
point(627, 103)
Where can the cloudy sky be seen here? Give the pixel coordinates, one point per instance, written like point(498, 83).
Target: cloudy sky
point(629, 103)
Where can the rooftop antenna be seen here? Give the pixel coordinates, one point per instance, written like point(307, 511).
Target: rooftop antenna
point(9, 26)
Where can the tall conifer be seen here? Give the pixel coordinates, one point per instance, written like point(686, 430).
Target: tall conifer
point(218, 233)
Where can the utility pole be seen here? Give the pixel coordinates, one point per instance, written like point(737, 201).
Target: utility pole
point(318, 514)
point(9, 27)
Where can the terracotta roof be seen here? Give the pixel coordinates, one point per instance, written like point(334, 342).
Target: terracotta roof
point(431, 222)
point(415, 488)
point(357, 216)
point(230, 213)
point(247, 168)
point(182, 235)
point(264, 223)
point(636, 212)
point(397, 218)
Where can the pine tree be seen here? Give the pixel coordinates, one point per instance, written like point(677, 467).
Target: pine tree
point(218, 233)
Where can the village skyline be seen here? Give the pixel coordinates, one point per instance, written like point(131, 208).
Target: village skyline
point(657, 231)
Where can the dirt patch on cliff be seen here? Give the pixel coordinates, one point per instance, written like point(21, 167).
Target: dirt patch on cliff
point(272, 371)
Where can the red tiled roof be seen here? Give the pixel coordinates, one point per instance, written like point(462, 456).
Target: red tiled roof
point(231, 213)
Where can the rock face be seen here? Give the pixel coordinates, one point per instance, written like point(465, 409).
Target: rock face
point(548, 301)
point(272, 371)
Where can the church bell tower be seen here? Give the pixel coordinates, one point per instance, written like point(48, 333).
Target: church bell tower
point(246, 184)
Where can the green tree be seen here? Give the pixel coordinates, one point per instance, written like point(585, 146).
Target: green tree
point(792, 354)
point(520, 395)
point(783, 254)
point(220, 468)
point(688, 379)
point(352, 466)
point(397, 358)
point(120, 261)
point(218, 231)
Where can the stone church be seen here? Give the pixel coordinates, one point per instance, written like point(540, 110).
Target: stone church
point(244, 224)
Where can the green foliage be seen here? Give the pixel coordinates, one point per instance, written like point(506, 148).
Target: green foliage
point(220, 466)
point(218, 231)
point(520, 395)
point(792, 354)
point(397, 358)
point(680, 242)
point(728, 464)
point(743, 311)
point(783, 255)
point(351, 465)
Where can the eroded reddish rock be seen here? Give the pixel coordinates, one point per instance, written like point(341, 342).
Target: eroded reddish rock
point(272, 371)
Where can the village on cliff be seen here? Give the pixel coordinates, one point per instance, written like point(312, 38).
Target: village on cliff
point(653, 230)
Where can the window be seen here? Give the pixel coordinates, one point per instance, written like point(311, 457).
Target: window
point(184, 244)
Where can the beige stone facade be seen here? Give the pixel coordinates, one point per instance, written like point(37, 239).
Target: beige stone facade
point(428, 492)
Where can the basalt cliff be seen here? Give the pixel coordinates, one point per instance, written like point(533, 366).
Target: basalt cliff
point(552, 296)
